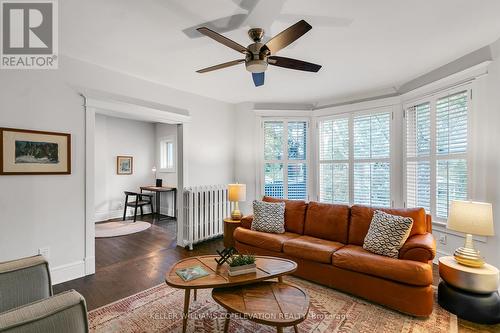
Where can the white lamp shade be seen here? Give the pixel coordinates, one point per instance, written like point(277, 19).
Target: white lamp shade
point(237, 192)
point(471, 217)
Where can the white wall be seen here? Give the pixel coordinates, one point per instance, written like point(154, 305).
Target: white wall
point(245, 152)
point(43, 211)
point(39, 211)
point(121, 137)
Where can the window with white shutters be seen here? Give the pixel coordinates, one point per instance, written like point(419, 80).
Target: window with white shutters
point(436, 153)
point(285, 173)
point(418, 154)
point(334, 160)
point(354, 159)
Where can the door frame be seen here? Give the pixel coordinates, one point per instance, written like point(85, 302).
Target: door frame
point(136, 111)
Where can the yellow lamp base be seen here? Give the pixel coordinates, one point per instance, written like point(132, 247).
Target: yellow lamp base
point(236, 213)
point(468, 255)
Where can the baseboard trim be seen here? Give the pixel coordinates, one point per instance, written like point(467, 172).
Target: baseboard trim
point(167, 211)
point(67, 272)
point(89, 265)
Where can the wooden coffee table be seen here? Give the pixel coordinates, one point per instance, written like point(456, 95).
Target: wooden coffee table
point(218, 277)
point(270, 303)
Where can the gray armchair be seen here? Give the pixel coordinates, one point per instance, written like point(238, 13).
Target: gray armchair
point(27, 304)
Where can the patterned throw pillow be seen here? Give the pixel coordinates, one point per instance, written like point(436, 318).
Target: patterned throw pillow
point(387, 234)
point(269, 217)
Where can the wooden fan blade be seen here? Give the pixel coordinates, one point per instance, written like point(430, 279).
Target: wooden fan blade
point(258, 79)
point(220, 66)
point(223, 40)
point(293, 64)
point(287, 36)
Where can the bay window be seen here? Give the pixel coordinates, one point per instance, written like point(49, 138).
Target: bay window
point(362, 157)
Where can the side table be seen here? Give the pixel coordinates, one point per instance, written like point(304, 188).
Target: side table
point(470, 293)
point(229, 226)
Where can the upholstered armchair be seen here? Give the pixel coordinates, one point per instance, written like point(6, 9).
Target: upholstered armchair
point(27, 304)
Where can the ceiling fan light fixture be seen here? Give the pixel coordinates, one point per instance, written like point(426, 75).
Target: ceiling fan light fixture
point(259, 55)
point(256, 66)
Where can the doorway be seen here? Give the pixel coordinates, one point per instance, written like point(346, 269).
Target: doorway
point(106, 119)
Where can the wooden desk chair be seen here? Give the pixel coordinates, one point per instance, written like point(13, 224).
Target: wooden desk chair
point(140, 200)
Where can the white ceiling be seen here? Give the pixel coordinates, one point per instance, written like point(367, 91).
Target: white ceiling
point(363, 45)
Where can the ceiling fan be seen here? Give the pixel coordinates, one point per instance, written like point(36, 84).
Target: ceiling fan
point(259, 55)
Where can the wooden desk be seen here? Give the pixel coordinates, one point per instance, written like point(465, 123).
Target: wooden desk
point(158, 191)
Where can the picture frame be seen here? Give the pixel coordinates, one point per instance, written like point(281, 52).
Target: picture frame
point(124, 165)
point(32, 152)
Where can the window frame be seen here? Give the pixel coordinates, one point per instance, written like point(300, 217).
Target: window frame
point(433, 156)
point(350, 115)
point(286, 161)
point(165, 141)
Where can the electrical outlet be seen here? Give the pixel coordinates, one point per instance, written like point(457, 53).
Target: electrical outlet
point(45, 252)
point(442, 239)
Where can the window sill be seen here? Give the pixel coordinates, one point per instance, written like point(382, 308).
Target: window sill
point(441, 227)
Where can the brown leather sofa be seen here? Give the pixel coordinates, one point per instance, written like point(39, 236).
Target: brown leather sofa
point(326, 241)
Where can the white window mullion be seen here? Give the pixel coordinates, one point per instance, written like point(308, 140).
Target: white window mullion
point(351, 159)
point(285, 159)
point(433, 159)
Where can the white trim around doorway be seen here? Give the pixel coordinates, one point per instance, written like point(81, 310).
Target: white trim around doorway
point(100, 105)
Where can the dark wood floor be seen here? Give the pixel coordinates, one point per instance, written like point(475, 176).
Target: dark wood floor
point(129, 264)
point(126, 265)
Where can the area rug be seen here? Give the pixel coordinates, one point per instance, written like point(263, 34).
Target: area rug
point(113, 229)
point(159, 309)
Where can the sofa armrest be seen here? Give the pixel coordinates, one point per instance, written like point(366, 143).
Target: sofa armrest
point(419, 248)
point(65, 312)
point(24, 281)
point(246, 222)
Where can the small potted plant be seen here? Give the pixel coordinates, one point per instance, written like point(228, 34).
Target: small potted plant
point(241, 264)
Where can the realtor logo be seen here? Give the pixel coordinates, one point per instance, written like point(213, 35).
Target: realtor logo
point(29, 34)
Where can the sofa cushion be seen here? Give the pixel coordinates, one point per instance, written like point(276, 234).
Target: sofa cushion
point(355, 258)
point(387, 234)
point(361, 217)
point(327, 221)
point(268, 217)
point(311, 248)
point(295, 214)
point(264, 240)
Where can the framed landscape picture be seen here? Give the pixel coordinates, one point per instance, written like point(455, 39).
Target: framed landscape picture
point(124, 165)
point(28, 152)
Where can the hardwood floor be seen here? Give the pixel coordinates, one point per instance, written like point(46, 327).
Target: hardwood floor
point(129, 264)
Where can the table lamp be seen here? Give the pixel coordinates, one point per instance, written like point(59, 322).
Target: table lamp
point(237, 192)
point(470, 218)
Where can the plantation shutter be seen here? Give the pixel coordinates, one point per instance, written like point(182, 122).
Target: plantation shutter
point(436, 153)
point(273, 159)
point(285, 159)
point(451, 149)
point(372, 181)
point(334, 161)
point(418, 152)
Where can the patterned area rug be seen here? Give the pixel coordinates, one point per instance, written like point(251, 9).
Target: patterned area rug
point(159, 309)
